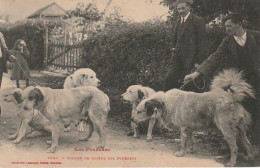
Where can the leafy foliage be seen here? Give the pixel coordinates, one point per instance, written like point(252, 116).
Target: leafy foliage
point(131, 54)
point(89, 13)
point(84, 20)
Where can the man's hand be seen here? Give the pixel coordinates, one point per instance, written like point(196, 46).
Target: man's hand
point(12, 58)
point(191, 77)
point(196, 65)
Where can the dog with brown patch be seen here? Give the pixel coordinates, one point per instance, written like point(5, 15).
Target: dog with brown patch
point(135, 94)
point(28, 118)
point(189, 111)
point(64, 106)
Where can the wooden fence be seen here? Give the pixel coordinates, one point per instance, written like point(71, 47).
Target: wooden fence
point(61, 55)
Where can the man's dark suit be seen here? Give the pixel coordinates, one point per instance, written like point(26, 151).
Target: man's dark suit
point(230, 55)
point(190, 43)
point(3, 59)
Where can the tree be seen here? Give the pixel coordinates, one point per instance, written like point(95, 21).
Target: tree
point(210, 9)
point(90, 12)
point(86, 20)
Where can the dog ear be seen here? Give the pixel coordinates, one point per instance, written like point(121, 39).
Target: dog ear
point(37, 94)
point(18, 97)
point(152, 105)
point(140, 94)
point(84, 75)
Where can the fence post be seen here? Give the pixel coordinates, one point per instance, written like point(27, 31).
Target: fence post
point(46, 46)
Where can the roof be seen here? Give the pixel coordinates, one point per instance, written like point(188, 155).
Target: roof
point(52, 10)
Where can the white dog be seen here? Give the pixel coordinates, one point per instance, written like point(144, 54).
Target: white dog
point(135, 94)
point(81, 77)
point(64, 106)
point(190, 111)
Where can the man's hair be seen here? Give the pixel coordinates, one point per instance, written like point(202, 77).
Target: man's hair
point(234, 17)
point(187, 2)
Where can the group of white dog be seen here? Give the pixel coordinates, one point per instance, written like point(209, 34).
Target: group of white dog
point(53, 110)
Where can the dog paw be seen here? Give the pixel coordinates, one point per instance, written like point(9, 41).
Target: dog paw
point(249, 157)
point(16, 141)
point(136, 136)
point(12, 137)
point(79, 129)
point(67, 129)
point(190, 150)
point(100, 147)
point(51, 150)
point(49, 142)
point(149, 138)
point(229, 164)
point(180, 153)
point(83, 139)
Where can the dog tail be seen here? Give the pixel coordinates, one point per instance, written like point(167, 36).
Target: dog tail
point(232, 81)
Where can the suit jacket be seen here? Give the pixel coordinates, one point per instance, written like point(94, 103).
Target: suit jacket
point(191, 46)
point(226, 55)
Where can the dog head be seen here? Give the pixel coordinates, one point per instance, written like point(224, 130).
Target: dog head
point(85, 77)
point(147, 109)
point(32, 97)
point(16, 97)
point(134, 94)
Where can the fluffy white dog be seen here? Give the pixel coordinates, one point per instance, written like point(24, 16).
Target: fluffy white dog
point(135, 94)
point(189, 111)
point(81, 77)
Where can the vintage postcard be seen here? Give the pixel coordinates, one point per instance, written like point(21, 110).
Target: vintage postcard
point(129, 83)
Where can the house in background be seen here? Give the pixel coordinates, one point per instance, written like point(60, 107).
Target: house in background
point(49, 12)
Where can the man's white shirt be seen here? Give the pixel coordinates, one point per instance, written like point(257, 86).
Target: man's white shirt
point(241, 40)
point(183, 19)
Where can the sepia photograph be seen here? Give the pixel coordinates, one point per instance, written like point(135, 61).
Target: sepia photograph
point(129, 83)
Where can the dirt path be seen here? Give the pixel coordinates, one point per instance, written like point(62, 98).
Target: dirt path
point(123, 150)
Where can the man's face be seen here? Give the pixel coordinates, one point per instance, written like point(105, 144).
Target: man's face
point(232, 28)
point(20, 46)
point(183, 9)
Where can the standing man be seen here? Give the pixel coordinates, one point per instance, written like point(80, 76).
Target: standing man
point(3, 58)
point(190, 46)
point(240, 50)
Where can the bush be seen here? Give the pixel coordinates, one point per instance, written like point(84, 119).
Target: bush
point(216, 34)
point(131, 54)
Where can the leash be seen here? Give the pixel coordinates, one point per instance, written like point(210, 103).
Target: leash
point(26, 74)
point(200, 88)
point(31, 78)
